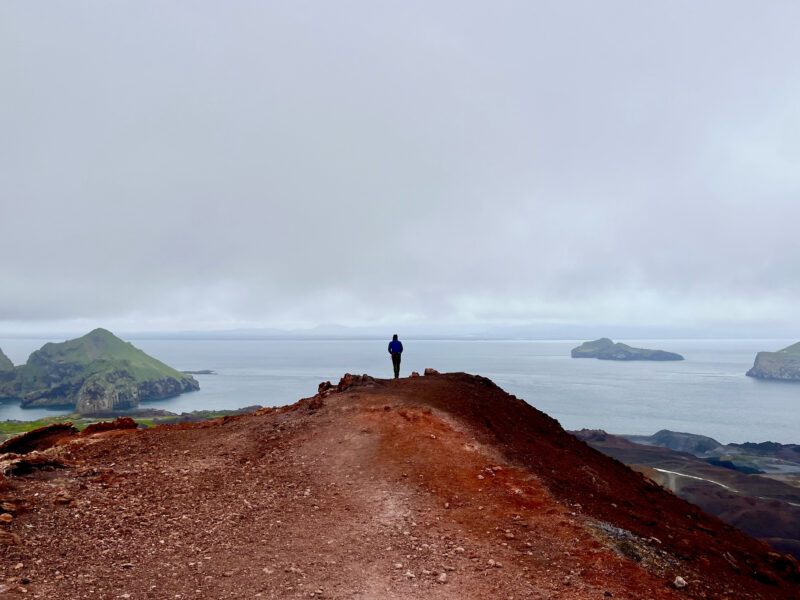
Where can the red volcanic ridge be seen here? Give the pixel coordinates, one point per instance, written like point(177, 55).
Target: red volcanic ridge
point(440, 486)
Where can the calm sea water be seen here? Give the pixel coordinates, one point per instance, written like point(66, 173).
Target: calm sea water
point(707, 393)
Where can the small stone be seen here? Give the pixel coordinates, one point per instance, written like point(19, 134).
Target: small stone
point(6, 518)
point(398, 565)
point(509, 535)
point(679, 583)
point(447, 505)
point(442, 578)
point(127, 565)
point(63, 497)
point(19, 565)
point(498, 565)
point(491, 562)
point(460, 549)
point(433, 437)
point(409, 574)
point(480, 477)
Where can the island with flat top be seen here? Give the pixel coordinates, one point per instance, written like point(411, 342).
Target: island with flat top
point(606, 349)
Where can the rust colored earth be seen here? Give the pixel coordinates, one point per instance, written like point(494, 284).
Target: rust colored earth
point(441, 486)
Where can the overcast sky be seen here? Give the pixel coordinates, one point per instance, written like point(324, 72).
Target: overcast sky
point(206, 165)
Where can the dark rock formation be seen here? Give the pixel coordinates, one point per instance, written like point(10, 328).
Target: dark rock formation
point(782, 365)
point(678, 441)
point(606, 349)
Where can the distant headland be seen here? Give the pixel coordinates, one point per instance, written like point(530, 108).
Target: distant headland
point(782, 365)
point(606, 349)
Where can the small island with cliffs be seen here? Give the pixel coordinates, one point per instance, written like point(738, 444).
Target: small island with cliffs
point(94, 373)
point(606, 349)
point(783, 365)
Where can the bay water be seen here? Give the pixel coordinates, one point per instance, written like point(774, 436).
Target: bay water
point(708, 393)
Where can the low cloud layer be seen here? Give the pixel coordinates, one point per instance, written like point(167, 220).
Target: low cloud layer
point(200, 165)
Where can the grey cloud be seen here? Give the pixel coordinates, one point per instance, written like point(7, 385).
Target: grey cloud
point(274, 163)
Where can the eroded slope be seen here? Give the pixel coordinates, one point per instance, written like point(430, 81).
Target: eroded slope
point(439, 487)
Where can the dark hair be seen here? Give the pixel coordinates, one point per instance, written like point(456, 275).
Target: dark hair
point(394, 337)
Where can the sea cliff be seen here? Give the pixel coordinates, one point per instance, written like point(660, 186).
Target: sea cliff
point(782, 365)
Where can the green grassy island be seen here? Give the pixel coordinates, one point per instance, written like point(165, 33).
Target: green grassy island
point(96, 372)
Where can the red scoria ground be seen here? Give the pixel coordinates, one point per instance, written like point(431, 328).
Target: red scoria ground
point(440, 486)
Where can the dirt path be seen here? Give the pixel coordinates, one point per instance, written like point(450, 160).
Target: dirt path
point(363, 494)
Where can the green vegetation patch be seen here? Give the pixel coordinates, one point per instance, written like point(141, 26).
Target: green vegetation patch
point(793, 349)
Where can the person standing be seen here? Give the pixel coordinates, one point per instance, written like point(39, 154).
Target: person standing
point(395, 349)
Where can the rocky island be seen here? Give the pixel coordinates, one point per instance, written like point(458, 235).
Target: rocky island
point(782, 365)
point(606, 349)
point(96, 372)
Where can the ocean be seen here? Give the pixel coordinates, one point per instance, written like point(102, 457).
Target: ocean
point(708, 393)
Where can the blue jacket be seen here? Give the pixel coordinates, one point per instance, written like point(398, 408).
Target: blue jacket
point(395, 347)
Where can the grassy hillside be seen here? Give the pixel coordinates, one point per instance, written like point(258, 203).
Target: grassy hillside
point(95, 352)
point(793, 349)
point(6, 366)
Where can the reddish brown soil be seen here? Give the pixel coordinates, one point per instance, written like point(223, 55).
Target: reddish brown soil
point(372, 490)
point(38, 439)
point(119, 423)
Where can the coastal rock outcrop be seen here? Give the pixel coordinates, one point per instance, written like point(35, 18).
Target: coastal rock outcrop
point(606, 349)
point(783, 365)
point(93, 373)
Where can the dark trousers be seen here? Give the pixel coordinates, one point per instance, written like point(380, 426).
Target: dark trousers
point(396, 364)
